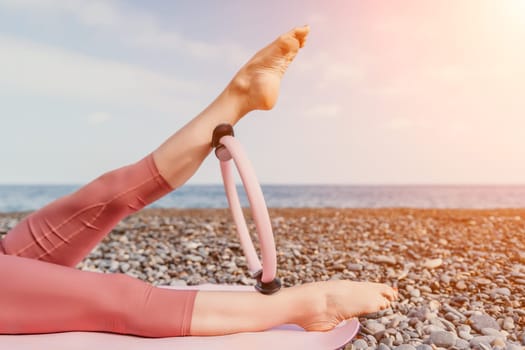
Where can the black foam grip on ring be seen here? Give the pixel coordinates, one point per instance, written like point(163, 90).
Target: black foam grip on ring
point(220, 131)
point(267, 288)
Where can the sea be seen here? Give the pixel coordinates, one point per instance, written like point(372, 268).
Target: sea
point(17, 198)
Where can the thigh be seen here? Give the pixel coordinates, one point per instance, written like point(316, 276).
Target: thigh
point(40, 297)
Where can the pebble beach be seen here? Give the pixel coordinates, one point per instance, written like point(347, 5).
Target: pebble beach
point(460, 273)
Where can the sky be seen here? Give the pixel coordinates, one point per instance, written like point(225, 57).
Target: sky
point(384, 92)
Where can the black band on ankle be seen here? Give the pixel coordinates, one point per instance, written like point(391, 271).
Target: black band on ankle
point(267, 288)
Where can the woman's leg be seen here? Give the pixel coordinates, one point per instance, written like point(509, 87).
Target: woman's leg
point(40, 297)
point(254, 87)
point(65, 231)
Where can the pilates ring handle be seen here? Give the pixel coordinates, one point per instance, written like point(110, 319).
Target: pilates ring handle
point(226, 149)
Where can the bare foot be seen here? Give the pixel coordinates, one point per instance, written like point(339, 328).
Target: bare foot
point(335, 301)
point(259, 79)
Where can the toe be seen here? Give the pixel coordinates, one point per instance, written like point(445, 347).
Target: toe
point(384, 304)
point(300, 33)
point(288, 44)
point(389, 293)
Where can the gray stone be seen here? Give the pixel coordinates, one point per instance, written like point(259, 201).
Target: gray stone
point(443, 339)
point(454, 311)
point(483, 281)
point(422, 313)
point(501, 291)
point(464, 328)
point(194, 258)
point(465, 335)
point(180, 283)
point(398, 339)
point(433, 263)
point(484, 339)
point(387, 341)
point(384, 259)
point(424, 347)
point(483, 321)
point(124, 267)
point(113, 267)
point(462, 344)
point(491, 331)
point(354, 267)
point(360, 344)
point(508, 323)
point(429, 329)
point(374, 326)
point(498, 343)
point(415, 293)
point(382, 346)
point(483, 346)
point(371, 340)
point(461, 285)
point(405, 347)
point(445, 279)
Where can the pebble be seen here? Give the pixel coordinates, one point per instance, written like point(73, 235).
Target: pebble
point(485, 339)
point(461, 344)
point(461, 285)
point(424, 347)
point(360, 344)
point(354, 267)
point(405, 347)
point(508, 323)
point(498, 342)
point(465, 335)
point(415, 293)
point(501, 291)
point(481, 286)
point(443, 339)
point(374, 326)
point(483, 321)
point(433, 263)
point(114, 266)
point(124, 267)
point(384, 259)
point(178, 283)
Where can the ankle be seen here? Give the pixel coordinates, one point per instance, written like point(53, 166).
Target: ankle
point(236, 95)
point(307, 304)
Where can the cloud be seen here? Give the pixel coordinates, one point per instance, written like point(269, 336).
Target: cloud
point(49, 71)
point(324, 111)
point(98, 118)
point(133, 28)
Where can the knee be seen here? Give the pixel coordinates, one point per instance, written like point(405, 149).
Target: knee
point(111, 190)
point(120, 299)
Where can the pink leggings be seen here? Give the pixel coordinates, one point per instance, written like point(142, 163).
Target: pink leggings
point(41, 292)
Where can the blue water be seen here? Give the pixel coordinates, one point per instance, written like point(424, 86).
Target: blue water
point(30, 197)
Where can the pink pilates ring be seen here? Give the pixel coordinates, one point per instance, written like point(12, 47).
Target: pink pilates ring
point(227, 148)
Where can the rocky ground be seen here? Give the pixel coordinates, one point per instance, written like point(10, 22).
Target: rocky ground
point(461, 273)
